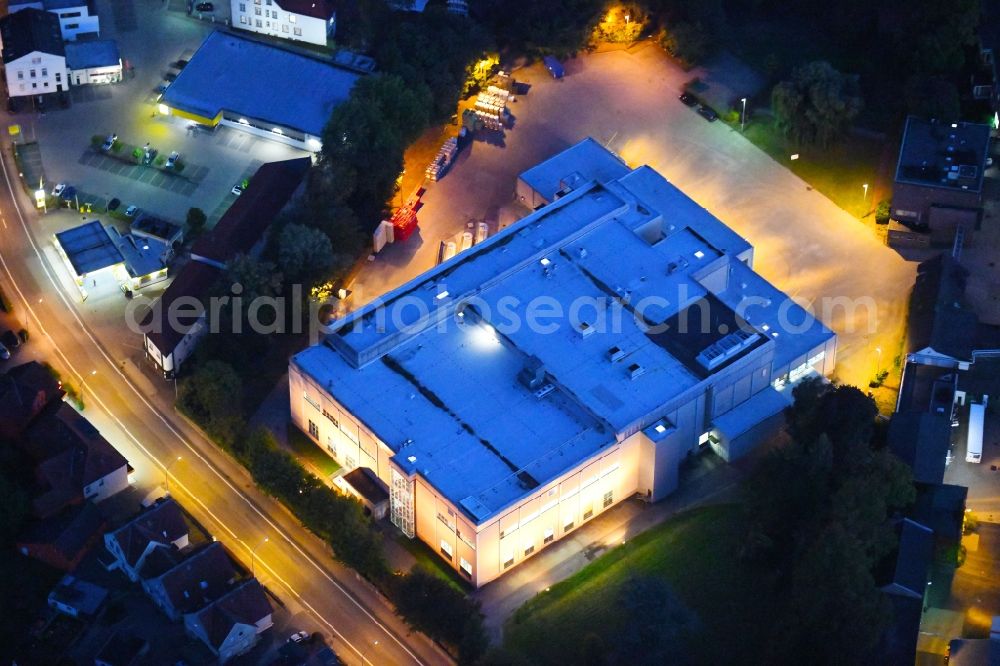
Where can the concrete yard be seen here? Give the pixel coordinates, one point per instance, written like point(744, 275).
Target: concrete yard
point(806, 245)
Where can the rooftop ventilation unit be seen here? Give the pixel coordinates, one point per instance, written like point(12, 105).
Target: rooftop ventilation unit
point(635, 370)
point(532, 375)
point(584, 329)
point(616, 354)
point(544, 390)
point(726, 348)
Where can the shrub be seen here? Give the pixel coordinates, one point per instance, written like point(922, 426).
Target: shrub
point(431, 605)
point(882, 212)
point(5, 303)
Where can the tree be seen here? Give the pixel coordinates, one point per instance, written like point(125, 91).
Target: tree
point(304, 254)
point(622, 23)
point(431, 605)
point(213, 396)
point(13, 508)
point(196, 220)
point(688, 42)
point(932, 97)
point(817, 104)
point(256, 278)
point(654, 624)
point(932, 36)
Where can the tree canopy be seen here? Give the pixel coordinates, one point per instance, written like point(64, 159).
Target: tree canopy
point(817, 104)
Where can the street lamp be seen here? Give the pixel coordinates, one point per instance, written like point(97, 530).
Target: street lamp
point(865, 186)
point(166, 472)
point(743, 114)
point(627, 17)
point(878, 361)
point(253, 557)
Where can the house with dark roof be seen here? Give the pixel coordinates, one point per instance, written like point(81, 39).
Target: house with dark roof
point(939, 176)
point(160, 528)
point(195, 582)
point(93, 62)
point(903, 576)
point(942, 326)
point(25, 390)
point(63, 540)
point(313, 21)
point(73, 462)
point(232, 624)
point(122, 650)
point(241, 230)
point(34, 58)
point(77, 598)
point(922, 441)
point(76, 17)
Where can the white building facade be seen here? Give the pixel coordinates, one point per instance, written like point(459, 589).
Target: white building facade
point(75, 17)
point(499, 432)
point(313, 21)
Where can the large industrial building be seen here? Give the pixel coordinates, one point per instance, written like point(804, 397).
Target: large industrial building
point(572, 361)
point(258, 88)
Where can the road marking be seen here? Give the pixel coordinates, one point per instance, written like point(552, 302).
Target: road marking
point(171, 428)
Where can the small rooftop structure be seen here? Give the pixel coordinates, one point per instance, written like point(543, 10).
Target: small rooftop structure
point(30, 30)
point(77, 598)
point(581, 163)
point(217, 80)
point(148, 226)
point(366, 486)
point(942, 154)
point(92, 53)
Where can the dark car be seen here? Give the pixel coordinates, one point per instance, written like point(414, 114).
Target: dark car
point(114, 204)
point(708, 114)
point(205, 7)
point(10, 340)
point(688, 99)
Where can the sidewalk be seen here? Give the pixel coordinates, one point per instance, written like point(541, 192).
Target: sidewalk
point(710, 480)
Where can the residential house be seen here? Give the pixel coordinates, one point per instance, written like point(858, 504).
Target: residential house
point(33, 54)
point(122, 650)
point(939, 177)
point(232, 624)
point(195, 582)
point(161, 527)
point(313, 21)
point(76, 17)
point(241, 230)
point(25, 390)
point(903, 576)
point(73, 462)
point(61, 541)
point(77, 598)
point(93, 62)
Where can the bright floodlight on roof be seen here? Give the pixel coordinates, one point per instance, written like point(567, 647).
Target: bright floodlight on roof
point(485, 337)
point(442, 295)
point(661, 428)
point(545, 261)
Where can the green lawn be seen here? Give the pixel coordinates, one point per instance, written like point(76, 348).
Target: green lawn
point(307, 452)
point(430, 561)
point(838, 172)
point(695, 553)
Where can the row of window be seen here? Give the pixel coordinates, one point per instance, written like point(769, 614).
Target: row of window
point(33, 73)
point(463, 565)
point(259, 24)
point(548, 535)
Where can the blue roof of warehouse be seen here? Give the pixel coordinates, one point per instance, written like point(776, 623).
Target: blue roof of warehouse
point(89, 247)
point(260, 81)
point(100, 53)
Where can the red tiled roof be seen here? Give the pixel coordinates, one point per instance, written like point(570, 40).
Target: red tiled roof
point(321, 9)
point(244, 224)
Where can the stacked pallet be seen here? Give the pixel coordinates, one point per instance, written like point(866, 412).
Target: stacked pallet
point(439, 165)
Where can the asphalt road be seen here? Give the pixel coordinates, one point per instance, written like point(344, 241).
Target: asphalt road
point(137, 418)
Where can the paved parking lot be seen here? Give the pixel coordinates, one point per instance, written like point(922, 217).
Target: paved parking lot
point(150, 38)
point(804, 243)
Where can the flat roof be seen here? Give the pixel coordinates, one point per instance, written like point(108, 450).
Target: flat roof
point(143, 254)
point(942, 154)
point(260, 81)
point(580, 163)
point(88, 54)
point(457, 372)
point(89, 247)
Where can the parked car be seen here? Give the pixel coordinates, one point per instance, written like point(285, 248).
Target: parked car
point(688, 99)
point(114, 204)
point(10, 340)
point(131, 211)
point(707, 113)
point(4, 352)
point(172, 160)
point(58, 189)
point(205, 7)
point(237, 189)
point(298, 637)
point(109, 142)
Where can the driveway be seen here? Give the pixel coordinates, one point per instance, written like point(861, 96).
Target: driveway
point(627, 100)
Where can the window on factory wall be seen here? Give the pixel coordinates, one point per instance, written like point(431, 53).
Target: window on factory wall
point(349, 462)
point(313, 429)
point(529, 549)
point(256, 11)
point(243, 6)
point(446, 549)
point(608, 498)
point(588, 512)
point(298, 32)
point(45, 71)
point(32, 73)
point(508, 559)
point(243, 20)
point(284, 28)
point(549, 535)
point(465, 567)
point(331, 446)
point(257, 23)
point(20, 75)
